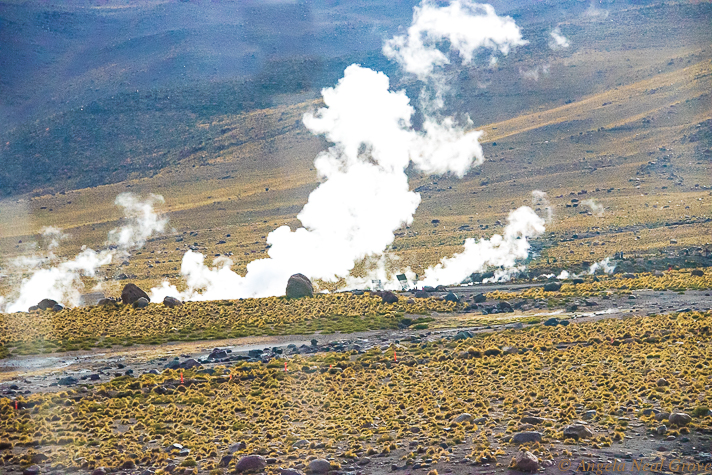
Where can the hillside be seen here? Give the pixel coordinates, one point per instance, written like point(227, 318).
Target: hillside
point(622, 114)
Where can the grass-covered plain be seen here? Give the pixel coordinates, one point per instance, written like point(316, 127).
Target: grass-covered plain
point(87, 327)
point(349, 405)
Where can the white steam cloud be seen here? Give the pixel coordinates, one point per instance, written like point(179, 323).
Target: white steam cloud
point(540, 200)
point(499, 251)
point(558, 41)
point(604, 266)
point(596, 208)
point(62, 280)
point(365, 197)
point(468, 26)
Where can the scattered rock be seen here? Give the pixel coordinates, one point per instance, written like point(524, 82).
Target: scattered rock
point(510, 350)
point(577, 281)
point(171, 302)
point(99, 471)
point(319, 466)
point(236, 447)
point(251, 463)
point(388, 296)
point(132, 293)
point(552, 322)
point(464, 417)
point(299, 286)
point(532, 420)
point(479, 298)
point(679, 418)
point(290, 471)
point(451, 297)
point(57, 308)
point(697, 273)
point(46, 304)
point(661, 430)
point(421, 294)
point(525, 437)
point(189, 363)
point(141, 303)
point(300, 443)
point(628, 276)
point(662, 382)
point(505, 306)
point(552, 287)
point(67, 381)
point(577, 431)
point(589, 414)
point(217, 354)
point(225, 460)
point(106, 303)
point(661, 416)
point(526, 462)
point(462, 335)
point(31, 470)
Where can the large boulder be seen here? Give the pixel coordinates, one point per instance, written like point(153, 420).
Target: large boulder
point(171, 302)
point(141, 303)
point(251, 463)
point(132, 293)
point(479, 298)
point(552, 287)
point(299, 286)
point(46, 304)
point(421, 294)
point(577, 431)
point(697, 273)
point(319, 466)
point(526, 437)
point(526, 462)
point(451, 297)
point(679, 418)
point(387, 296)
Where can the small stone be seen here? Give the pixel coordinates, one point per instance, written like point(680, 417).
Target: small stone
point(251, 463)
point(679, 418)
point(31, 470)
point(662, 382)
point(300, 443)
point(464, 417)
point(189, 363)
point(661, 430)
point(319, 466)
point(67, 381)
point(525, 437)
point(661, 416)
point(290, 471)
point(532, 420)
point(172, 302)
point(526, 462)
point(577, 431)
point(225, 461)
point(141, 303)
point(589, 414)
point(99, 471)
point(552, 322)
point(236, 447)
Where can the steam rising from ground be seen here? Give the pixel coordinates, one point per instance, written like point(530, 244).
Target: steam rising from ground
point(62, 280)
point(596, 208)
point(365, 198)
point(604, 266)
point(500, 251)
point(558, 41)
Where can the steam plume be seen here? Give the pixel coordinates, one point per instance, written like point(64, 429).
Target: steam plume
point(62, 280)
point(604, 266)
point(558, 41)
point(365, 196)
point(596, 208)
point(499, 251)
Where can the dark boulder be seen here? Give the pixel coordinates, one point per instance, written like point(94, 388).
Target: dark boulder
point(387, 296)
point(552, 287)
point(479, 298)
point(428, 288)
point(552, 322)
point(46, 304)
point(577, 280)
point(421, 294)
point(441, 288)
point(451, 297)
point(171, 302)
point(106, 303)
point(251, 463)
point(141, 303)
point(505, 306)
point(299, 286)
point(697, 273)
point(132, 293)
point(57, 308)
